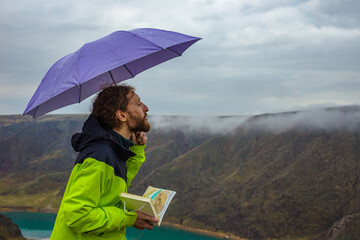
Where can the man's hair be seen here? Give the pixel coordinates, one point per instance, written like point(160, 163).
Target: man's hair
point(108, 102)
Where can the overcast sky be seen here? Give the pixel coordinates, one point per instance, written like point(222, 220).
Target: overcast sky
point(255, 56)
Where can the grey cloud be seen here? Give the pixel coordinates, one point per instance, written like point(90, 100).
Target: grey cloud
point(317, 119)
point(343, 14)
point(255, 56)
point(187, 124)
point(320, 119)
point(266, 6)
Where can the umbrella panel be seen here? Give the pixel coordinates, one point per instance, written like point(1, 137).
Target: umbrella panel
point(68, 97)
point(80, 92)
point(124, 72)
point(94, 85)
point(149, 61)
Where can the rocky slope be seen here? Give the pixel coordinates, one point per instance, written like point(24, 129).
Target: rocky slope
point(9, 230)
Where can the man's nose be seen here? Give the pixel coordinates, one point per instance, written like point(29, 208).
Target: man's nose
point(146, 109)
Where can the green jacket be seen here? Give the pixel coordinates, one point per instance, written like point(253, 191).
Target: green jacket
point(91, 207)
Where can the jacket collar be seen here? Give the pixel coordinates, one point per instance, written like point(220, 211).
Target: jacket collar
point(93, 132)
point(126, 143)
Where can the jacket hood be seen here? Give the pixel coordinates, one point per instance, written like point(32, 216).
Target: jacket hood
point(93, 132)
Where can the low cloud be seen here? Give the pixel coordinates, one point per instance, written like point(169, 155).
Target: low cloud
point(187, 124)
point(330, 119)
point(326, 119)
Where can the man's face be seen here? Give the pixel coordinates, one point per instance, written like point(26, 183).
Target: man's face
point(137, 114)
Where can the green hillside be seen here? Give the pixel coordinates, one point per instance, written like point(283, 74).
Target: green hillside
point(265, 185)
point(276, 176)
point(37, 158)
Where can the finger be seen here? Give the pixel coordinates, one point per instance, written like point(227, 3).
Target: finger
point(138, 137)
point(150, 219)
point(146, 217)
point(148, 226)
point(143, 140)
point(145, 224)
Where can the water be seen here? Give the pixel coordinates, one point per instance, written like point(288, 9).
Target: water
point(40, 225)
point(33, 225)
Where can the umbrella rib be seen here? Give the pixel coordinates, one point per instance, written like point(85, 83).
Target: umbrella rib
point(173, 51)
point(128, 70)
point(79, 93)
point(112, 78)
point(37, 109)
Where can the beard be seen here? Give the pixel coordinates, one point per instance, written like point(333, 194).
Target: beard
point(139, 124)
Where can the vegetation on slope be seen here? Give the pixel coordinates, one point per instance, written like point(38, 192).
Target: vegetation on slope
point(258, 182)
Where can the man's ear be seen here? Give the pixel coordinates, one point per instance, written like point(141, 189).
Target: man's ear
point(121, 116)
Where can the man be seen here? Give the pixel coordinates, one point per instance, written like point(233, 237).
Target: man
point(111, 151)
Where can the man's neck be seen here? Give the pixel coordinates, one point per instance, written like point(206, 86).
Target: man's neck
point(123, 132)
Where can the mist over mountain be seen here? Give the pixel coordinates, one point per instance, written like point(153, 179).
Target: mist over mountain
point(284, 175)
point(197, 124)
point(345, 118)
point(329, 119)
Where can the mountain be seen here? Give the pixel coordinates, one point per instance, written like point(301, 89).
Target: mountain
point(287, 175)
point(276, 176)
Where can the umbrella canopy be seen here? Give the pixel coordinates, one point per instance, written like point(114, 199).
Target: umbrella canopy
point(114, 58)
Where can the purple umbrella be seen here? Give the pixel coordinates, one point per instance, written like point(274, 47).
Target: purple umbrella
point(114, 58)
